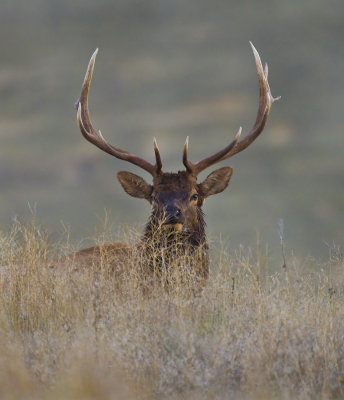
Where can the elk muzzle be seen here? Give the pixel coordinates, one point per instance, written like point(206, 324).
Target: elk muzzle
point(173, 215)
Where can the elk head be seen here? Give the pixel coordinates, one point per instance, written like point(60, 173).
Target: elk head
point(176, 198)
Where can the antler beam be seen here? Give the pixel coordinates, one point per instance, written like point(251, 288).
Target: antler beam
point(96, 138)
point(265, 102)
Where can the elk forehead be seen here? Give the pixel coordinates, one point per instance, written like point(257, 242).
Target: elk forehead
point(175, 182)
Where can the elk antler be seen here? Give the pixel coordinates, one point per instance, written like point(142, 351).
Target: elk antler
point(265, 101)
point(96, 138)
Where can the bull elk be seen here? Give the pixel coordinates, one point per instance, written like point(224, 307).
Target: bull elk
point(176, 225)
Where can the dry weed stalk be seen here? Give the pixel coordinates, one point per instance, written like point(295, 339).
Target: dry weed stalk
point(250, 334)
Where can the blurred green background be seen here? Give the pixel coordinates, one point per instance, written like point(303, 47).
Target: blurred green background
point(171, 69)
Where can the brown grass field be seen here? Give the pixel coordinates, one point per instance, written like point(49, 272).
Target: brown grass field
point(257, 331)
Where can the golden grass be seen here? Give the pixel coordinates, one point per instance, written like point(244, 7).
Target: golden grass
point(251, 333)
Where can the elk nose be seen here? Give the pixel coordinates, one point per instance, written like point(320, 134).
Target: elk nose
point(173, 214)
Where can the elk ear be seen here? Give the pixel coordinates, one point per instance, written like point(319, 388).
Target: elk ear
point(135, 185)
point(216, 182)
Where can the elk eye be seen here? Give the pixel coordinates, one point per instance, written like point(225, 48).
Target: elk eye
point(194, 196)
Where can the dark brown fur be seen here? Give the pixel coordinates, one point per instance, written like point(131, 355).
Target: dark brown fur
point(164, 242)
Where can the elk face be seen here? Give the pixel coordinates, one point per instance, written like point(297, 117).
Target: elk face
point(176, 198)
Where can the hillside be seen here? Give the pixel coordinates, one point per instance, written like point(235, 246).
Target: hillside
point(172, 69)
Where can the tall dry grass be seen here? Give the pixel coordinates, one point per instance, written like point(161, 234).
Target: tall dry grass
point(251, 333)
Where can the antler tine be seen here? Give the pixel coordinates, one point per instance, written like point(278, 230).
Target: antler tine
point(96, 138)
point(198, 167)
point(265, 101)
point(188, 165)
point(157, 157)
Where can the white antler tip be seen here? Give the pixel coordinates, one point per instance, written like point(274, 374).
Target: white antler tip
point(237, 136)
point(155, 144)
point(253, 48)
point(186, 145)
point(101, 136)
point(95, 52)
point(257, 60)
point(93, 58)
